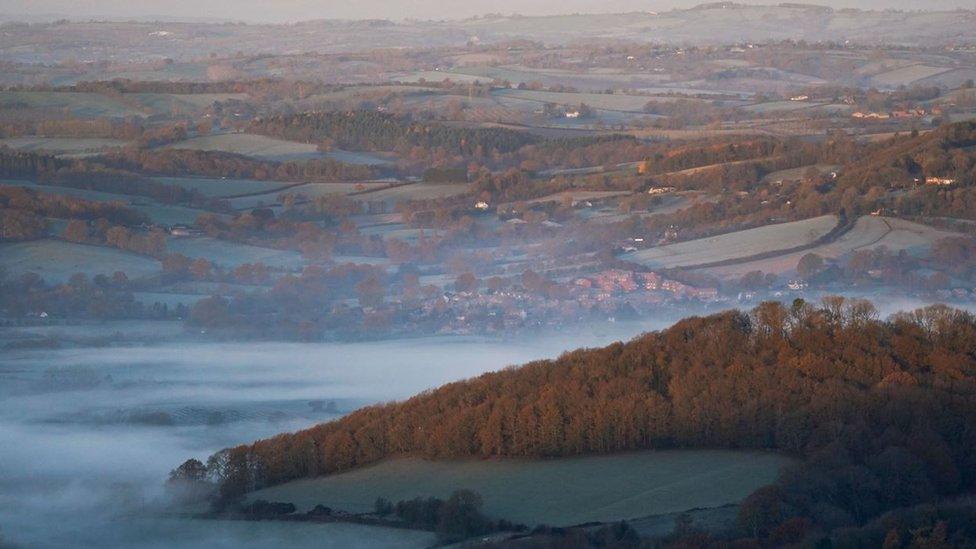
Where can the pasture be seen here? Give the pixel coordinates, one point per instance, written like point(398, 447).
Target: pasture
point(796, 174)
point(308, 191)
point(164, 214)
point(605, 101)
point(61, 145)
point(56, 260)
point(80, 104)
point(905, 76)
point(219, 188)
point(869, 232)
point(263, 147)
point(414, 191)
point(181, 103)
point(231, 254)
point(739, 244)
point(561, 492)
point(255, 146)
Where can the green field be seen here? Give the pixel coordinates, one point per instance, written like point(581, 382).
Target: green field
point(614, 102)
point(558, 491)
point(218, 188)
point(255, 146)
point(277, 150)
point(181, 103)
point(85, 105)
point(232, 254)
point(416, 191)
point(61, 145)
point(56, 260)
point(165, 214)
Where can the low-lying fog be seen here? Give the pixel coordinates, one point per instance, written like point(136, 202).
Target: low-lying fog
point(88, 435)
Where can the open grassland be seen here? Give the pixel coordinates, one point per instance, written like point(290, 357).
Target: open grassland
point(868, 233)
point(80, 104)
point(780, 106)
point(61, 145)
point(308, 190)
point(278, 150)
point(415, 191)
point(219, 188)
point(614, 102)
point(232, 254)
point(794, 174)
point(255, 146)
point(181, 103)
point(562, 491)
point(739, 244)
point(56, 260)
point(164, 214)
point(905, 76)
point(574, 196)
point(170, 300)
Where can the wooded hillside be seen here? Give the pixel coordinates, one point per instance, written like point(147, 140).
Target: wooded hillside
point(889, 405)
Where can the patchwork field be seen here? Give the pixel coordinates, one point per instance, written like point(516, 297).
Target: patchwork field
point(80, 104)
point(576, 196)
point(904, 76)
point(869, 232)
point(255, 146)
point(276, 150)
point(615, 102)
point(164, 214)
point(415, 191)
point(308, 190)
point(61, 145)
point(181, 103)
point(782, 236)
point(219, 188)
point(558, 491)
point(793, 174)
point(56, 260)
point(232, 254)
point(170, 300)
point(780, 106)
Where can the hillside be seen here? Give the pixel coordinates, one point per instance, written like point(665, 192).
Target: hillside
point(891, 402)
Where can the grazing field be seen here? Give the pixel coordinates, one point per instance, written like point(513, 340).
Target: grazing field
point(415, 191)
point(81, 104)
point(255, 146)
point(868, 233)
point(170, 300)
point(613, 102)
point(577, 196)
point(232, 254)
point(794, 174)
point(739, 244)
point(905, 76)
point(277, 150)
point(56, 260)
point(181, 103)
point(559, 492)
point(164, 214)
point(308, 190)
point(61, 145)
point(780, 106)
point(219, 188)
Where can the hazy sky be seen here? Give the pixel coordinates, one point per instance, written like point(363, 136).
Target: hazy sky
point(293, 10)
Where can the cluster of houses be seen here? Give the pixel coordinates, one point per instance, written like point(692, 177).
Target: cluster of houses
point(902, 114)
point(608, 283)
